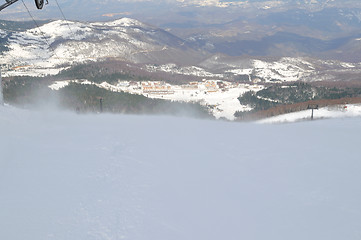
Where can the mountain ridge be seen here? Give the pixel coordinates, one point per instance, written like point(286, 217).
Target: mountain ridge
point(63, 42)
point(132, 56)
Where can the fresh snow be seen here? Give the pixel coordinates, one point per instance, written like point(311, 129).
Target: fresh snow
point(68, 176)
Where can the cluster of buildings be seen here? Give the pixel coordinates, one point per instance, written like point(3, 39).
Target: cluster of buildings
point(163, 88)
point(160, 88)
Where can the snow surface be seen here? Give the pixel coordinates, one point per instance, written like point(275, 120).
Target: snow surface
point(123, 22)
point(222, 104)
point(57, 85)
point(71, 43)
point(285, 70)
point(68, 176)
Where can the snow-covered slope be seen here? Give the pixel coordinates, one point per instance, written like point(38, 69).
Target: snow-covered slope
point(285, 69)
point(67, 176)
point(66, 43)
point(62, 43)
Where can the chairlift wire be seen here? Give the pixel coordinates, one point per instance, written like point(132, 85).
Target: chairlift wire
point(67, 23)
point(77, 42)
point(41, 32)
point(62, 13)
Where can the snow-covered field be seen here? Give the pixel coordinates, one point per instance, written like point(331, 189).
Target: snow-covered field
point(68, 176)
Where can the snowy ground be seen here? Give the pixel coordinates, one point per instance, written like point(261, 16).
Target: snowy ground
point(220, 103)
point(68, 176)
point(339, 111)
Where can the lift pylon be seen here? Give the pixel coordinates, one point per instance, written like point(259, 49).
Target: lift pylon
point(1, 91)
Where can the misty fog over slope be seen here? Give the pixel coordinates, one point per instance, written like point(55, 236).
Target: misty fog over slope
point(68, 176)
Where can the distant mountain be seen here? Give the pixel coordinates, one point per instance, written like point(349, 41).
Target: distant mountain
point(290, 33)
point(128, 52)
point(284, 44)
point(157, 54)
point(291, 28)
point(66, 43)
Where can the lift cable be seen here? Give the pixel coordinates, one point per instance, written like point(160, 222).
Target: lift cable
point(67, 23)
point(62, 13)
point(41, 32)
point(79, 48)
point(7, 4)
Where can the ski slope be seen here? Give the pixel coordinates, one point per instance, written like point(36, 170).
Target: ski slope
point(111, 177)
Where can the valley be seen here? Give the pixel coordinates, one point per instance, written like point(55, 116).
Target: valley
point(130, 56)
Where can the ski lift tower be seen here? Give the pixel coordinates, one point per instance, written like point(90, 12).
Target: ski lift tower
point(312, 107)
point(39, 4)
point(7, 4)
point(1, 91)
